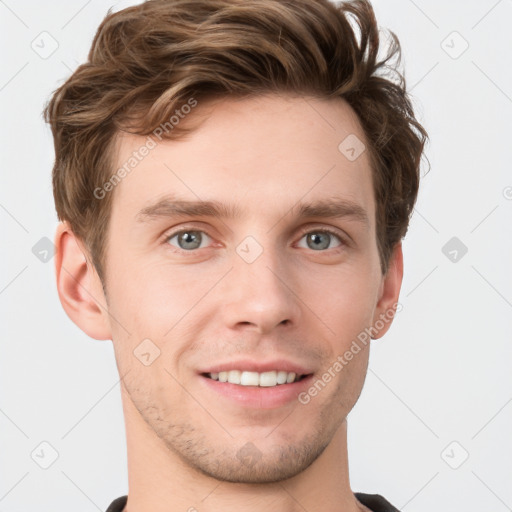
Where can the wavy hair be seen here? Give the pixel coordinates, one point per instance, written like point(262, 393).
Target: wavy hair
point(147, 60)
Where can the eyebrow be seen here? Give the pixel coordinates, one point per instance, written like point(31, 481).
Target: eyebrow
point(326, 208)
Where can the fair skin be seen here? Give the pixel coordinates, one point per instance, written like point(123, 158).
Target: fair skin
point(302, 301)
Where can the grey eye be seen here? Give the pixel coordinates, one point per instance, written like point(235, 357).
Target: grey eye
point(319, 240)
point(188, 240)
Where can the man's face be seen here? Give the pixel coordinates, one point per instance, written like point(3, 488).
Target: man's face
point(266, 289)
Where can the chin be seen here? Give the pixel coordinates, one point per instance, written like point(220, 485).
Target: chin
point(250, 465)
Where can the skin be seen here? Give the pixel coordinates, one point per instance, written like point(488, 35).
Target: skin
point(209, 305)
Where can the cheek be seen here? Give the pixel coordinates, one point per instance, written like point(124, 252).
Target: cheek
point(162, 301)
point(344, 299)
point(155, 295)
point(159, 302)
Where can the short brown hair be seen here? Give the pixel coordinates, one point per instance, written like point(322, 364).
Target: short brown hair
point(147, 60)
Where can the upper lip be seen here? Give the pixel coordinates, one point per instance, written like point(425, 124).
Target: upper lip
point(251, 365)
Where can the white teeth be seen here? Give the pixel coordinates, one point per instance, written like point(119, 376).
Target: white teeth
point(264, 379)
point(281, 377)
point(290, 378)
point(234, 376)
point(268, 379)
point(250, 379)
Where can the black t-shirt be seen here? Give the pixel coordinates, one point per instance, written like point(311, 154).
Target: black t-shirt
point(374, 502)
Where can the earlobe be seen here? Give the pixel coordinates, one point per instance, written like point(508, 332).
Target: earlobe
point(389, 293)
point(79, 287)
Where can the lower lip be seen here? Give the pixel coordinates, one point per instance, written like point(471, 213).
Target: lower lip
point(256, 396)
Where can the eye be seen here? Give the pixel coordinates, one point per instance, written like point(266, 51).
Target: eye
point(318, 240)
point(187, 239)
point(321, 239)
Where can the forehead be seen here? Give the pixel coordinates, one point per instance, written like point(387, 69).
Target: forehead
point(262, 154)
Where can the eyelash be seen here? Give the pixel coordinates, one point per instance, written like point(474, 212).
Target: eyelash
point(305, 231)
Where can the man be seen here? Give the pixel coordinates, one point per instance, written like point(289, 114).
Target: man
point(234, 179)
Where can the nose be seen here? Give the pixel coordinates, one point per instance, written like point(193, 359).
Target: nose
point(259, 295)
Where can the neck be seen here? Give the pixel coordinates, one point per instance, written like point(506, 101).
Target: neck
point(159, 480)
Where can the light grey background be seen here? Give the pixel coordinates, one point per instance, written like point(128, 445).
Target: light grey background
point(439, 387)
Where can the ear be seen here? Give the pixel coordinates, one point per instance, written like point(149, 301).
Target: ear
point(79, 286)
point(389, 291)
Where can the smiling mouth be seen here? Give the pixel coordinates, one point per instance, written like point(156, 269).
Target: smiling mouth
point(255, 379)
